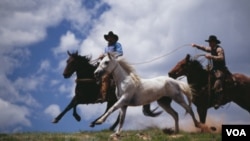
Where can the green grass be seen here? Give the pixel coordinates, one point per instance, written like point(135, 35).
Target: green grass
point(140, 135)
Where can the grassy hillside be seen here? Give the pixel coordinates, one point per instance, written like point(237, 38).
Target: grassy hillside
point(142, 135)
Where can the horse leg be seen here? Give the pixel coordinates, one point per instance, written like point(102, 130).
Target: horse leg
point(112, 128)
point(147, 111)
point(122, 114)
point(165, 104)
point(70, 105)
point(188, 108)
point(109, 104)
point(181, 101)
point(117, 105)
point(202, 112)
point(77, 117)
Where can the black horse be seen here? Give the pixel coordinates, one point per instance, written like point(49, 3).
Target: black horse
point(87, 90)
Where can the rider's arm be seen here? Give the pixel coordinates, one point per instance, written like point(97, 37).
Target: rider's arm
point(118, 49)
point(207, 49)
point(220, 55)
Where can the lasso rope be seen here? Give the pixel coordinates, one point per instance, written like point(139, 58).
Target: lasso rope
point(144, 62)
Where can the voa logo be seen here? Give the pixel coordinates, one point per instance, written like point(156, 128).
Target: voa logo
point(236, 132)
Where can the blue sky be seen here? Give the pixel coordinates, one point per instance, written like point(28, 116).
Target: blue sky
point(35, 35)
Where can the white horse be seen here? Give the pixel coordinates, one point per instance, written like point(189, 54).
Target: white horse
point(134, 91)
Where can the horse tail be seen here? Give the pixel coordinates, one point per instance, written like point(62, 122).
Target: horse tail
point(187, 90)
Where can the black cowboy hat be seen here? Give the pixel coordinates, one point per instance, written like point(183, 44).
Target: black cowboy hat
point(111, 35)
point(213, 38)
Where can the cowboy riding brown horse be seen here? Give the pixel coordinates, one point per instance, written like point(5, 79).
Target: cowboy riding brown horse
point(236, 88)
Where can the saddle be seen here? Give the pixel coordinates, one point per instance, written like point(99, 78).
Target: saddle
point(228, 82)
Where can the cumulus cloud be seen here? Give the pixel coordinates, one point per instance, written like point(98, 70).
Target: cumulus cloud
point(91, 111)
point(12, 114)
point(52, 110)
point(146, 34)
point(24, 23)
point(44, 66)
point(68, 42)
point(32, 17)
point(26, 84)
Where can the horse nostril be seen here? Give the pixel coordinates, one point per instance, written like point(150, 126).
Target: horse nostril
point(96, 74)
point(170, 74)
point(173, 75)
point(65, 75)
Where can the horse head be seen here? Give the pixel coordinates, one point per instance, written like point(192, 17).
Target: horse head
point(106, 66)
point(181, 68)
point(78, 64)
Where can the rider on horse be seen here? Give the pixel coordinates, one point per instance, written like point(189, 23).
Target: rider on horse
point(219, 69)
point(115, 48)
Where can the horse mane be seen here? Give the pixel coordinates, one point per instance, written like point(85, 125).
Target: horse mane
point(196, 64)
point(85, 58)
point(130, 70)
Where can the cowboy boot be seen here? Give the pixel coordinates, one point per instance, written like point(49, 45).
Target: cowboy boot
point(218, 86)
point(218, 101)
point(104, 89)
point(218, 92)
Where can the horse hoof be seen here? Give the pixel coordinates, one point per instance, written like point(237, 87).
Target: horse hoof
point(112, 128)
point(98, 122)
point(205, 129)
point(168, 131)
point(115, 135)
point(213, 128)
point(78, 118)
point(92, 125)
point(55, 121)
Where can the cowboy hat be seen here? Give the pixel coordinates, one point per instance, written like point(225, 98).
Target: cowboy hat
point(111, 35)
point(213, 38)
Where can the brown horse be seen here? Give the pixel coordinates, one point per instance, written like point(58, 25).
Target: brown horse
point(236, 86)
point(87, 90)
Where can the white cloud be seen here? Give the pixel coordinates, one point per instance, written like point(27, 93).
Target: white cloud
point(155, 28)
point(52, 110)
point(27, 84)
point(44, 66)
point(91, 111)
point(16, 91)
point(54, 82)
point(67, 88)
point(13, 115)
point(68, 42)
point(24, 23)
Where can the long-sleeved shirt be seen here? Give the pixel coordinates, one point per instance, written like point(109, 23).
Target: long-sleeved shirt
point(116, 48)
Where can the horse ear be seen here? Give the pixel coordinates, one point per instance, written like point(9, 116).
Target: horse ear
point(69, 53)
point(188, 57)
